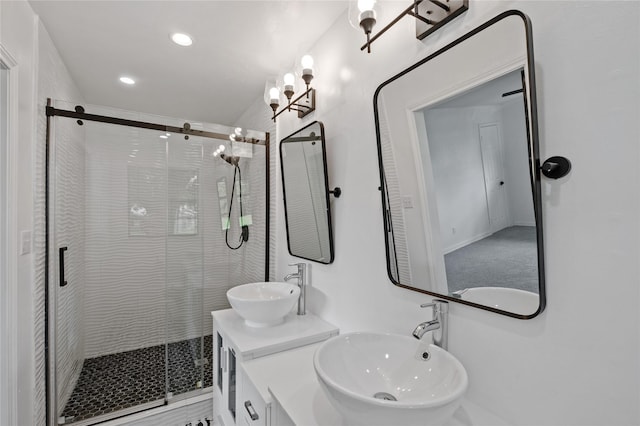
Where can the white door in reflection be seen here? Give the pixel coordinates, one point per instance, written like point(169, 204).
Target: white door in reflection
point(492, 165)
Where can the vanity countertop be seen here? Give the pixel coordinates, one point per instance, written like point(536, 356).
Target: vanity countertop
point(289, 378)
point(255, 342)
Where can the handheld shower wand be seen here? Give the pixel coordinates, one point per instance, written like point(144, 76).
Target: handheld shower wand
point(244, 233)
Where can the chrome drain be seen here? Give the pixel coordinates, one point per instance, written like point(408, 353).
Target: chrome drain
point(385, 396)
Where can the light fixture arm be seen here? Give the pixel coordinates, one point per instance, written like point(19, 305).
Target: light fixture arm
point(304, 103)
point(300, 105)
point(370, 40)
point(450, 9)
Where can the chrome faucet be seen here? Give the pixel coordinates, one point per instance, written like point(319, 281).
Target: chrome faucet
point(439, 324)
point(301, 275)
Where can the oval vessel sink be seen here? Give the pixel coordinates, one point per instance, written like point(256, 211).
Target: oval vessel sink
point(263, 304)
point(387, 379)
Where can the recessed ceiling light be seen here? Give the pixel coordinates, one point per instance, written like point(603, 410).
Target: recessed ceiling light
point(181, 39)
point(127, 80)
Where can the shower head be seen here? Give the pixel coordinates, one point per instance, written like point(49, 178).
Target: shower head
point(230, 159)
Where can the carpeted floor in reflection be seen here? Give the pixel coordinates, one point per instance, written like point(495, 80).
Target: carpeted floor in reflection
point(508, 258)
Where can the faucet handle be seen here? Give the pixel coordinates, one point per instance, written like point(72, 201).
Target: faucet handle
point(301, 266)
point(443, 305)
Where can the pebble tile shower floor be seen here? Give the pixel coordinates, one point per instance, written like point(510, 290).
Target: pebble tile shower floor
point(114, 382)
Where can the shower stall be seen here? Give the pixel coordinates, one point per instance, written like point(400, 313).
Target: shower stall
point(150, 220)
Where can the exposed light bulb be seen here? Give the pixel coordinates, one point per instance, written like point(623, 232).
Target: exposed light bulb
point(367, 18)
point(307, 62)
point(221, 148)
point(274, 95)
point(307, 70)
point(364, 5)
point(238, 131)
point(289, 79)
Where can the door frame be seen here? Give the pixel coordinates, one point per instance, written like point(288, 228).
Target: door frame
point(8, 245)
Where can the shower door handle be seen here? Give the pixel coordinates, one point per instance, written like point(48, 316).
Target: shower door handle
point(61, 251)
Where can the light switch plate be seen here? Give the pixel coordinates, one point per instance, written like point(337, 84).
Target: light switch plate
point(407, 201)
point(25, 242)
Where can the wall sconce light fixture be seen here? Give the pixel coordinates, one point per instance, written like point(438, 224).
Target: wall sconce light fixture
point(304, 103)
point(430, 16)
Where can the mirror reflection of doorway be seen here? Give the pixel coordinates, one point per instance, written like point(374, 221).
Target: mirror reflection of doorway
point(476, 153)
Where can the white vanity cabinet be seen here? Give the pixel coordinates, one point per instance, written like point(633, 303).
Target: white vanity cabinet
point(236, 400)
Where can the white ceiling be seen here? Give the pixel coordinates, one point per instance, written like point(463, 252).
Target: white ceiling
point(237, 46)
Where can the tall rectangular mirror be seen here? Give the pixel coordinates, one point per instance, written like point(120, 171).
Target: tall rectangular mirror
point(306, 194)
point(459, 167)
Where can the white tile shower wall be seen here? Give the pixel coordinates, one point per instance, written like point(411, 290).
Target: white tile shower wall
point(125, 276)
point(145, 289)
point(399, 248)
point(566, 366)
point(257, 117)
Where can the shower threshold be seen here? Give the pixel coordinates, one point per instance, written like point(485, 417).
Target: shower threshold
point(118, 384)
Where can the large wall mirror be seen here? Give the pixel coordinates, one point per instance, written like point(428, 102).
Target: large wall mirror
point(459, 169)
point(306, 194)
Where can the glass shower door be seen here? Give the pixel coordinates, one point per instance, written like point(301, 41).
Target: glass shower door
point(109, 248)
point(142, 237)
point(186, 227)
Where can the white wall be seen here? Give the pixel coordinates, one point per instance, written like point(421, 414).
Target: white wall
point(454, 150)
point(454, 159)
point(18, 35)
point(570, 365)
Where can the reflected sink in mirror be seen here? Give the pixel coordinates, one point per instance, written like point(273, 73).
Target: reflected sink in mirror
point(384, 379)
point(504, 298)
point(263, 304)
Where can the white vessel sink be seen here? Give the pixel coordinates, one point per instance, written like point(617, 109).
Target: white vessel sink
point(263, 304)
point(507, 299)
point(359, 370)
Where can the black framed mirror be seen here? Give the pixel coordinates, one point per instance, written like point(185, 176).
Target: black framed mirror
point(305, 187)
point(460, 172)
